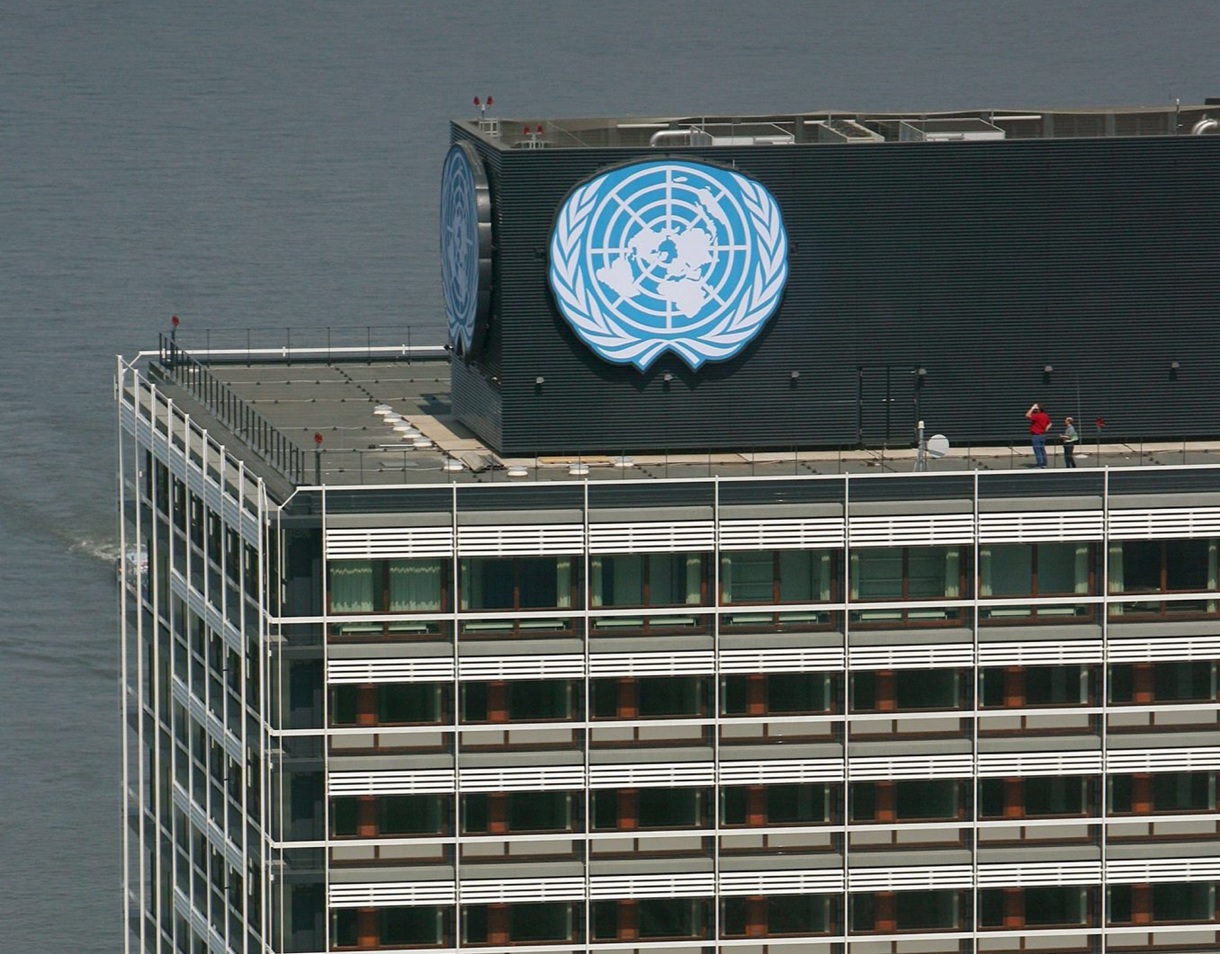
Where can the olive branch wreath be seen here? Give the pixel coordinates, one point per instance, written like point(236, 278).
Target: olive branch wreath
point(600, 331)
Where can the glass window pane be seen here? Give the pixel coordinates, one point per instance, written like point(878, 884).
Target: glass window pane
point(1007, 570)
point(539, 584)
point(409, 814)
point(876, 574)
point(926, 799)
point(748, 577)
point(351, 587)
point(618, 580)
point(926, 688)
point(401, 702)
point(539, 699)
point(1187, 564)
point(415, 586)
point(1058, 569)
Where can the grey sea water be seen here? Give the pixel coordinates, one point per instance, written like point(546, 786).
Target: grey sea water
point(270, 166)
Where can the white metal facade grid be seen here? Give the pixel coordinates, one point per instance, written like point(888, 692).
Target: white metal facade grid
point(1100, 525)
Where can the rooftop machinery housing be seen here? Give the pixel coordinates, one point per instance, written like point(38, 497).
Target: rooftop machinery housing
point(953, 267)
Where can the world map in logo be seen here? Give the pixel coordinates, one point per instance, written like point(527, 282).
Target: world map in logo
point(465, 245)
point(668, 256)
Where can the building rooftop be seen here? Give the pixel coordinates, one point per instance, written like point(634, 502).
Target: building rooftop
point(841, 127)
point(386, 422)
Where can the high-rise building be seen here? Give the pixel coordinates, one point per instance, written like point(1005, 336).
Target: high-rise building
point(401, 671)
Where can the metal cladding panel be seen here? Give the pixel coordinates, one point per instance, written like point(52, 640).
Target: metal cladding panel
point(982, 263)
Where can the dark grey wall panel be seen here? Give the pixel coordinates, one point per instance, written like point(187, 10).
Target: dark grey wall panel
point(981, 262)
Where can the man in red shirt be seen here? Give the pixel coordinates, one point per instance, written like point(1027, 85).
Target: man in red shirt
point(1039, 423)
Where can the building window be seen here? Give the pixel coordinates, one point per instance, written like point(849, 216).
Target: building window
point(1053, 796)
point(424, 926)
point(909, 801)
point(523, 923)
point(650, 697)
point(1164, 566)
point(887, 912)
point(1015, 908)
point(891, 574)
point(1050, 686)
point(387, 586)
point(652, 919)
point(526, 700)
point(390, 703)
point(1146, 683)
point(1163, 793)
point(909, 689)
point(807, 803)
point(649, 579)
point(615, 809)
point(369, 816)
point(518, 583)
point(509, 812)
point(776, 916)
point(768, 577)
point(778, 693)
point(1015, 571)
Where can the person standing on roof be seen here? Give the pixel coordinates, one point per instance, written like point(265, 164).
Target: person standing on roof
point(1039, 424)
point(1070, 438)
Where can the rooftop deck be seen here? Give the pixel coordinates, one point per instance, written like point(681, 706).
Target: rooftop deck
point(386, 421)
point(842, 127)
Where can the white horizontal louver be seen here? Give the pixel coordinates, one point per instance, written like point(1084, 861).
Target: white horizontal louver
point(781, 660)
point(569, 666)
point(521, 889)
point(652, 775)
point(1147, 870)
point(897, 879)
point(1163, 649)
point(391, 782)
point(652, 664)
point(1008, 764)
point(388, 543)
point(514, 540)
point(912, 657)
point(651, 886)
point(651, 537)
point(1040, 873)
point(1154, 524)
point(911, 766)
point(529, 778)
point(943, 529)
point(775, 771)
point(1163, 760)
point(1022, 527)
point(410, 669)
point(1042, 652)
point(798, 881)
point(387, 894)
point(811, 534)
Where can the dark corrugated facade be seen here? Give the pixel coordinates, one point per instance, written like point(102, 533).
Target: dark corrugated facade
point(981, 263)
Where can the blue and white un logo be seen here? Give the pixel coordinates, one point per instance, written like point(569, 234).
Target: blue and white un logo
point(465, 245)
point(677, 256)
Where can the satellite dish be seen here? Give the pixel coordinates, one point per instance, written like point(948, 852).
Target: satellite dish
point(938, 446)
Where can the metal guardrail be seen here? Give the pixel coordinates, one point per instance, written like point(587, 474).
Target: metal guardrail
point(286, 456)
point(281, 453)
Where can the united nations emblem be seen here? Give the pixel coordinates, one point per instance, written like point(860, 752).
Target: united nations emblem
point(465, 245)
point(679, 256)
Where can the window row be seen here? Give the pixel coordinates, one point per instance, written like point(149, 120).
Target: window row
point(774, 916)
point(767, 577)
point(808, 693)
point(776, 805)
